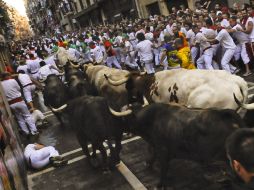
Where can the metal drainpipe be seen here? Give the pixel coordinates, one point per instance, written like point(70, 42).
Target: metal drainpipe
point(138, 8)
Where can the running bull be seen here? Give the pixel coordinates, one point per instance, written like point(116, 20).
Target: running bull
point(91, 119)
point(192, 88)
point(174, 131)
point(55, 94)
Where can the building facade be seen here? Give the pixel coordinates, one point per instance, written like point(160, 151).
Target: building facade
point(49, 16)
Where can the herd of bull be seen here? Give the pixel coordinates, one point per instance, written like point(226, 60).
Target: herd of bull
point(180, 113)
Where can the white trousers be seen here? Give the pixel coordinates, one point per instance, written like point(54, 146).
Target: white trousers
point(113, 61)
point(157, 56)
point(215, 48)
point(40, 158)
point(225, 61)
point(241, 52)
point(28, 92)
point(35, 76)
point(205, 60)
point(130, 60)
point(194, 53)
point(24, 117)
point(149, 66)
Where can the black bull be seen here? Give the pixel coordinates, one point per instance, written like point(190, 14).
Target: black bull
point(178, 132)
point(92, 121)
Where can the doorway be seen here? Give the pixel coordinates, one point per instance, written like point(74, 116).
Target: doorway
point(153, 9)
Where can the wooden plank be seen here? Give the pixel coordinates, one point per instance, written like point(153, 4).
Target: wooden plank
point(130, 177)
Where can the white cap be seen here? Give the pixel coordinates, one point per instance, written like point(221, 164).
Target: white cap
point(218, 12)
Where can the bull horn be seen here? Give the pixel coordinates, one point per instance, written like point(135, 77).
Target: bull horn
point(143, 73)
point(116, 83)
point(74, 66)
point(245, 106)
point(146, 103)
point(59, 109)
point(120, 114)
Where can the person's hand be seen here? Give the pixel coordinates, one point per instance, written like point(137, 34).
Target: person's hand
point(239, 29)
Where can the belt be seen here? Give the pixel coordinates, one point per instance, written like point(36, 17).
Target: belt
point(207, 48)
point(13, 101)
point(34, 72)
point(27, 85)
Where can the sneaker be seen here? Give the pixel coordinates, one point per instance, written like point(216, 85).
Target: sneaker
point(236, 71)
point(35, 133)
point(56, 158)
point(247, 74)
point(59, 163)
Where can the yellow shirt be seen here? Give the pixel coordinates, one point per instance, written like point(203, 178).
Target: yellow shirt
point(184, 55)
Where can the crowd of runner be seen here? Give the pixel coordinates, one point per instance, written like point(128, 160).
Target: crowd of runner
point(221, 38)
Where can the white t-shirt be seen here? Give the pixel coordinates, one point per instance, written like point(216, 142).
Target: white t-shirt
point(202, 40)
point(225, 23)
point(23, 68)
point(11, 89)
point(169, 29)
point(33, 65)
point(73, 53)
point(145, 50)
point(97, 53)
point(24, 79)
point(241, 37)
point(128, 46)
point(191, 37)
point(225, 39)
point(45, 71)
point(183, 30)
point(50, 60)
point(209, 33)
point(251, 35)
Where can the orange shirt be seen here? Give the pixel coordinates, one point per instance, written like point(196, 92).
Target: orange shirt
point(185, 42)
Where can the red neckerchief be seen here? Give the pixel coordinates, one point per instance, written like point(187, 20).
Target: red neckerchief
point(7, 78)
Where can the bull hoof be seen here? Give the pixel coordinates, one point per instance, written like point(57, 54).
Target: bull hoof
point(94, 163)
point(106, 171)
point(148, 165)
point(113, 162)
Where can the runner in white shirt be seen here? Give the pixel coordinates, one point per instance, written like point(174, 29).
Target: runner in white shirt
point(28, 87)
point(13, 94)
point(145, 50)
point(22, 67)
point(243, 42)
point(47, 70)
point(129, 53)
point(229, 46)
point(190, 36)
point(206, 58)
point(33, 66)
point(96, 53)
